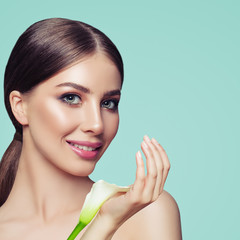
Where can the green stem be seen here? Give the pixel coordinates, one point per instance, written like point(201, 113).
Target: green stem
point(76, 231)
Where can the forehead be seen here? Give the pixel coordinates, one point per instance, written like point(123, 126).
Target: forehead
point(97, 73)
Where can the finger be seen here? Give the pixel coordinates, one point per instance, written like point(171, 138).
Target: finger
point(138, 185)
point(165, 162)
point(159, 168)
point(151, 171)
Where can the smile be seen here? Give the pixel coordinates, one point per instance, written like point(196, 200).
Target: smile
point(85, 148)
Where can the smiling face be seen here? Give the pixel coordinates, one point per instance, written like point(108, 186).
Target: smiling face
point(73, 116)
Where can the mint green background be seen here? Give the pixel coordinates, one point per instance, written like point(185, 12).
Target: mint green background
point(181, 86)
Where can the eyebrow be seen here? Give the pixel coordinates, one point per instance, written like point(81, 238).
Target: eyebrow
point(87, 90)
point(112, 93)
point(74, 85)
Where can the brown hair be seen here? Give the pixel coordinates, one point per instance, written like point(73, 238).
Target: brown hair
point(44, 49)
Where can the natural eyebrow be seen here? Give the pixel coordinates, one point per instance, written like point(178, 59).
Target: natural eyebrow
point(87, 90)
point(112, 93)
point(74, 85)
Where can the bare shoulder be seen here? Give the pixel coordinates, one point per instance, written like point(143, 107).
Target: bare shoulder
point(165, 208)
point(159, 220)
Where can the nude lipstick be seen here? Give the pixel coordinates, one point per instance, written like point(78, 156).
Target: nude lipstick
point(84, 149)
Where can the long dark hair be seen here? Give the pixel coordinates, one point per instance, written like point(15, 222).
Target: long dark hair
point(44, 49)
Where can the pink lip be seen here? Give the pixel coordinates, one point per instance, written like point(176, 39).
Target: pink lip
point(83, 153)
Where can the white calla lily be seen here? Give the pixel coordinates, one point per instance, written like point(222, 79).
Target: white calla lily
point(100, 192)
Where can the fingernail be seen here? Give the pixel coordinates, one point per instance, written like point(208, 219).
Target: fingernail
point(147, 138)
point(154, 140)
point(139, 154)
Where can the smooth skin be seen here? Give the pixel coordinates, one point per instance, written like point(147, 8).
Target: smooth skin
point(156, 213)
point(80, 103)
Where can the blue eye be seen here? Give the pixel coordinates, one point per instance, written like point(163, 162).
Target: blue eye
point(111, 104)
point(71, 99)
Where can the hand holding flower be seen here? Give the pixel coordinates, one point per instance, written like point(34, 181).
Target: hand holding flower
point(145, 190)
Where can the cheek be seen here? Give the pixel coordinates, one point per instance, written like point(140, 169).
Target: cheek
point(49, 117)
point(111, 126)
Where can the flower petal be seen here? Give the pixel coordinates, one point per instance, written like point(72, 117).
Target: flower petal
point(100, 192)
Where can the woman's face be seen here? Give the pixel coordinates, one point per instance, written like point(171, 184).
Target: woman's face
point(73, 116)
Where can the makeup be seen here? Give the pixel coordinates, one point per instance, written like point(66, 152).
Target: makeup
point(73, 116)
point(84, 149)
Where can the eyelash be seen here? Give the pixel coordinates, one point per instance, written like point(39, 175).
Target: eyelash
point(75, 97)
point(113, 108)
point(65, 98)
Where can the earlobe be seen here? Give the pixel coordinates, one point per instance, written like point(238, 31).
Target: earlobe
point(18, 107)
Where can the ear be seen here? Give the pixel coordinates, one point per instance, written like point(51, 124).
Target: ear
point(18, 107)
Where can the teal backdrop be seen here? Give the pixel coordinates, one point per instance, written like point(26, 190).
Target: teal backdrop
point(181, 86)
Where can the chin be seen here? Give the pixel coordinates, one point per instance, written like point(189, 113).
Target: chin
point(83, 171)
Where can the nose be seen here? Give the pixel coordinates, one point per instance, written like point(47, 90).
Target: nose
point(93, 121)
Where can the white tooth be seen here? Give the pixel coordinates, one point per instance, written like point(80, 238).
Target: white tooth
point(85, 148)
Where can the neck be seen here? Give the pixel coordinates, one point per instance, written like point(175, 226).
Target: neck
point(45, 190)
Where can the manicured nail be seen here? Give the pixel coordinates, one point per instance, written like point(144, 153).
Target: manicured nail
point(154, 140)
point(139, 154)
point(147, 138)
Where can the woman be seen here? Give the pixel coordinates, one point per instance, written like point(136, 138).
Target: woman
point(62, 86)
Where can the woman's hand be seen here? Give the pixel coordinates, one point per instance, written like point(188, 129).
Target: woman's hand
point(145, 190)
